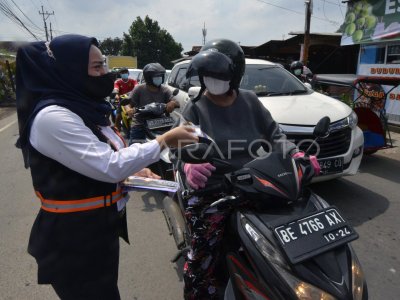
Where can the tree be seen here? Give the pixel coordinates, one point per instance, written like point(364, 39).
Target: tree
point(111, 46)
point(149, 43)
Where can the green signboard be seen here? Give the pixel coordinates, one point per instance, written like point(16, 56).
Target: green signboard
point(371, 21)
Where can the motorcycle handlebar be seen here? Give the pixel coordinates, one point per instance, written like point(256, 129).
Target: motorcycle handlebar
point(203, 192)
point(124, 101)
point(154, 109)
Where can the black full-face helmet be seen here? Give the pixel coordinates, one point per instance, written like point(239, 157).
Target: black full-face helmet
point(234, 52)
point(153, 70)
point(212, 64)
point(296, 65)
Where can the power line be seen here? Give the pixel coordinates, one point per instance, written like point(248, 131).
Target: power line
point(323, 9)
point(9, 13)
point(333, 3)
point(7, 10)
point(288, 9)
point(330, 2)
point(37, 7)
point(37, 27)
point(300, 13)
point(340, 7)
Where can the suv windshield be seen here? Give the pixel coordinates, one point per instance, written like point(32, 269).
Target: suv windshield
point(264, 81)
point(271, 81)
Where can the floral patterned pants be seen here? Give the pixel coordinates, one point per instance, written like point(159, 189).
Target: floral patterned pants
point(207, 228)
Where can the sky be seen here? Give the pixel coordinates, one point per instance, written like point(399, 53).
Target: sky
point(249, 22)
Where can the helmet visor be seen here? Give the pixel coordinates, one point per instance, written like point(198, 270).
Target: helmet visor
point(212, 64)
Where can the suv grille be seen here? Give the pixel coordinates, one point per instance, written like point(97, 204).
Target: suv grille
point(337, 143)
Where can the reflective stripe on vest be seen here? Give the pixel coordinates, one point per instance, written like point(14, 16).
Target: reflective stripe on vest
point(67, 206)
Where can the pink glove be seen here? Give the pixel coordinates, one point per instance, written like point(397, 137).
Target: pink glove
point(298, 154)
point(313, 161)
point(197, 174)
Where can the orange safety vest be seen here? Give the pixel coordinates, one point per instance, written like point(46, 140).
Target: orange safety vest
point(68, 206)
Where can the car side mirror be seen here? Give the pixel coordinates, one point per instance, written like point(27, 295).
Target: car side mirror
point(308, 85)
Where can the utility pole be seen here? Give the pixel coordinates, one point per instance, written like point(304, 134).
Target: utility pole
point(306, 45)
point(204, 30)
point(51, 33)
point(44, 21)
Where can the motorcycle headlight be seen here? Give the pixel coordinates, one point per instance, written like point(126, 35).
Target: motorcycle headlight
point(357, 278)
point(263, 245)
point(303, 290)
point(352, 119)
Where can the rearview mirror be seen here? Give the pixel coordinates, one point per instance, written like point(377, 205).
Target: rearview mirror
point(193, 92)
point(321, 130)
point(196, 153)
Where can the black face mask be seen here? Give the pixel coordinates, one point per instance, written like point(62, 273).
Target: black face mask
point(99, 87)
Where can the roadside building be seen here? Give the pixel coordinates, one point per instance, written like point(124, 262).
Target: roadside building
point(375, 26)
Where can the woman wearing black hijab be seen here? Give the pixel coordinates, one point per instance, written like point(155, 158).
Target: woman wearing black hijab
point(77, 160)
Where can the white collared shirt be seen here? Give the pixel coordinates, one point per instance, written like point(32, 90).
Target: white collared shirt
point(61, 135)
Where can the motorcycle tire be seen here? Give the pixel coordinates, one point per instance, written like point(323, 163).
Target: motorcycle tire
point(176, 223)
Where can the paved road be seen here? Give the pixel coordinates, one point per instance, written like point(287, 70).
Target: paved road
point(370, 200)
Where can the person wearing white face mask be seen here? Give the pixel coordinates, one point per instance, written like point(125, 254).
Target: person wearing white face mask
point(227, 114)
point(301, 71)
point(150, 91)
point(216, 86)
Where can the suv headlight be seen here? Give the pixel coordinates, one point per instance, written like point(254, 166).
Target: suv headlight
point(352, 119)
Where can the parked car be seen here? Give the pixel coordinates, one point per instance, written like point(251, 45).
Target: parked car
point(140, 78)
point(297, 108)
point(167, 72)
point(133, 73)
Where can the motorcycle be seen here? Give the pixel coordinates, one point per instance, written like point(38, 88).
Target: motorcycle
point(113, 103)
point(282, 241)
point(157, 121)
point(125, 119)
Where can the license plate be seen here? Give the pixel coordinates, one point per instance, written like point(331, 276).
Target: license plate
point(160, 122)
point(331, 166)
point(311, 235)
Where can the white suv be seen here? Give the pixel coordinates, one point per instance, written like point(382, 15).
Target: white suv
point(297, 109)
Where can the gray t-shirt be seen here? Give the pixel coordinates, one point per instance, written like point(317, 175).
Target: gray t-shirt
point(141, 95)
point(240, 129)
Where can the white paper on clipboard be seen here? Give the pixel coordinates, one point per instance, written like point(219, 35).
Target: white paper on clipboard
point(138, 182)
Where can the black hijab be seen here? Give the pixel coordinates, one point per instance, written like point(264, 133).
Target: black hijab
point(56, 73)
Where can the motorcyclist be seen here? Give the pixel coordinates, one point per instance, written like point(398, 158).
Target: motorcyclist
point(150, 91)
point(301, 71)
point(122, 86)
point(227, 114)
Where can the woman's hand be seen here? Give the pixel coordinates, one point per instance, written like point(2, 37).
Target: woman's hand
point(146, 172)
point(177, 137)
point(197, 174)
